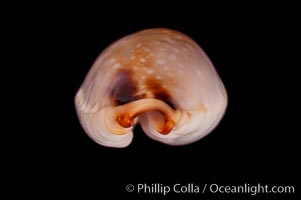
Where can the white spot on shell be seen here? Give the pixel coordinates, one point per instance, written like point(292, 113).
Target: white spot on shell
point(160, 62)
point(138, 45)
point(146, 49)
point(142, 60)
point(150, 71)
point(117, 65)
point(143, 77)
point(172, 57)
point(179, 71)
point(199, 73)
point(112, 60)
point(181, 66)
point(158, 77)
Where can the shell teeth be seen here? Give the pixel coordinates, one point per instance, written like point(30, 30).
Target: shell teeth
point(159, 78)
point(126, 115)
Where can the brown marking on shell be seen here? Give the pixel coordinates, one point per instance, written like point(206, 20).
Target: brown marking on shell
point(125, 88)
point(159, 92)
point(125, 91)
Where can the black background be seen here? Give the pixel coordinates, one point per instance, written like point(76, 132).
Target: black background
point(252, 48)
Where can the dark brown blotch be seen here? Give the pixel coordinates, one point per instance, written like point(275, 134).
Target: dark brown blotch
point(124, 89)
point(159, 92)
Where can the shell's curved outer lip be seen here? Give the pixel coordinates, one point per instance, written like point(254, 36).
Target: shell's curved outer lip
point(97, 129)
point(126, 115)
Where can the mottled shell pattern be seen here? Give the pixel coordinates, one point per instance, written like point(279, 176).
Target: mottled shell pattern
point(159, 78)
